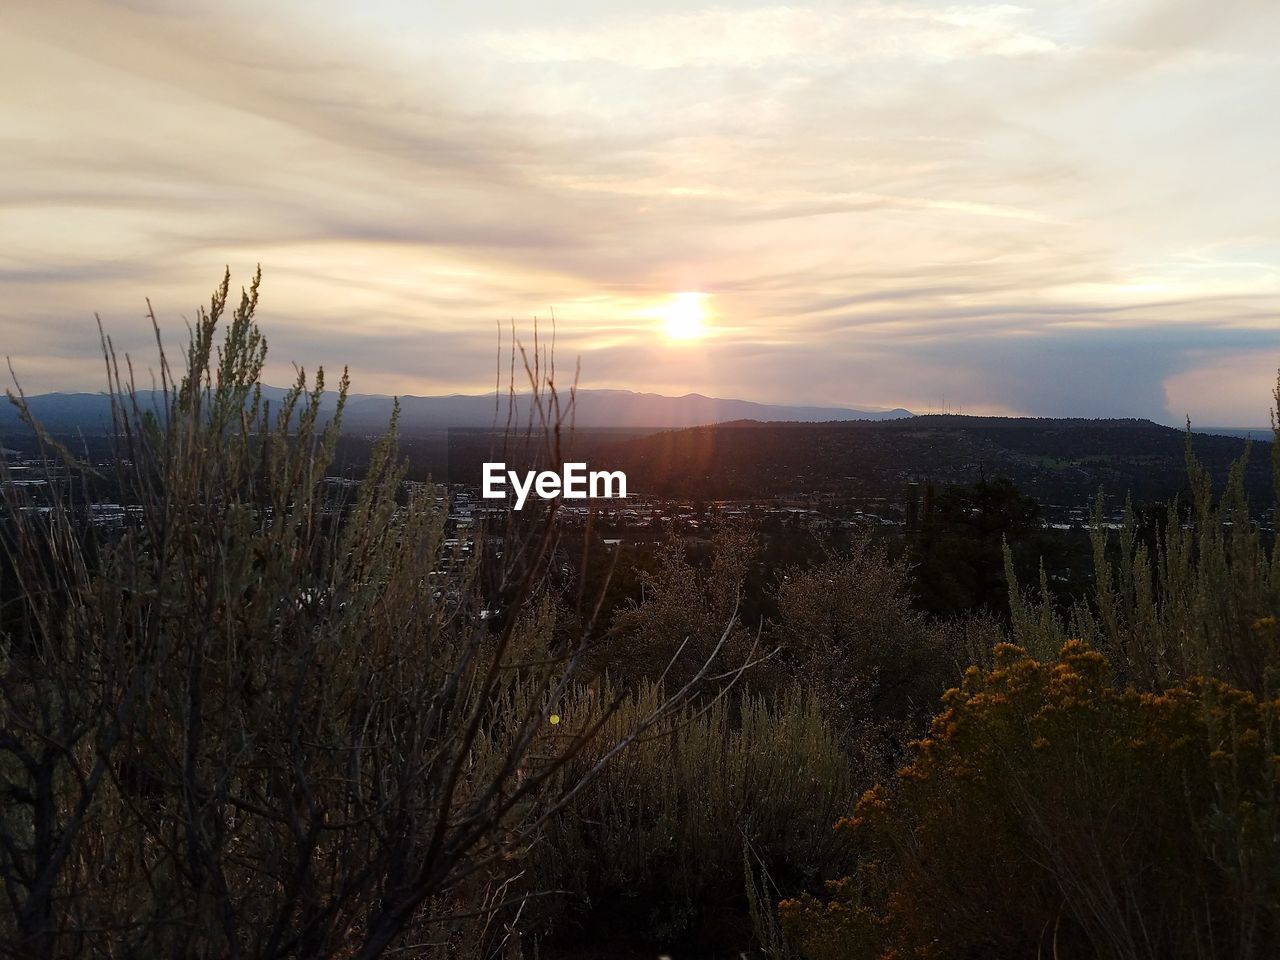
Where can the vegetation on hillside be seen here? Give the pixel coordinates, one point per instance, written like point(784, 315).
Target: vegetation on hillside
point(254, 718)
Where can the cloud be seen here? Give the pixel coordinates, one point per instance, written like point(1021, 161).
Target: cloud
point(889, 203)
point(780, 35)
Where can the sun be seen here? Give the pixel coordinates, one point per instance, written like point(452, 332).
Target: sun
point(684, 316)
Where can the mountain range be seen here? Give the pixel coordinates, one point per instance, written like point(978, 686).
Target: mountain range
point(369, 413)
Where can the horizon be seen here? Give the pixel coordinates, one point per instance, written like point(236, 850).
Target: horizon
point(1009, 210)
point(878, 414)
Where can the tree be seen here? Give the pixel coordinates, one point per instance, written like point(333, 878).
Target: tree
point(959, 556)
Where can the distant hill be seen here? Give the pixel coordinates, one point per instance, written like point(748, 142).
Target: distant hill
point(1062, 461)
point(697, 446)
point(369, 413)
point(1246, 433)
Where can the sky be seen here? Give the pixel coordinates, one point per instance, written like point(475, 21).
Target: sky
point(1046, 209)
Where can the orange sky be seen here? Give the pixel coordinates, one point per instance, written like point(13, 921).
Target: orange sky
point(1046, 208)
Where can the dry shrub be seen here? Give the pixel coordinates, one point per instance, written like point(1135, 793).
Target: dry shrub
point(652, 849)
point(255, 718)
point(1180, 602)
point(681, 619)
point(847, 630)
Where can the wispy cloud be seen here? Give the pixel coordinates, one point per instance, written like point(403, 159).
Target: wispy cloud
point(889, 202)
point(780, 36)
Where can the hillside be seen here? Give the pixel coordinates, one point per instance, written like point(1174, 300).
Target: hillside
point(1055, 460)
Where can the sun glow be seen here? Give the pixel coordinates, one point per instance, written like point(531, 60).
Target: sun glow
point(684, 316)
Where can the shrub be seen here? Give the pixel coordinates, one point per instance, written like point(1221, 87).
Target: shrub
point(1180, 602)
point(847, 630)
point(1049, 813)
point(682, 617)
point(652, 849)
point(252, 721)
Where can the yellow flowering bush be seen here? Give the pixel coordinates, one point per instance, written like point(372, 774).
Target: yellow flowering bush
point(1048, 809)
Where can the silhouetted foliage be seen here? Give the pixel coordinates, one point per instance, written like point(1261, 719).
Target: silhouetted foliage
point(258, 719)
point(959, 555)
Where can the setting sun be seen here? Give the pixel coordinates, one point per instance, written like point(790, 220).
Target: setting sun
point(684, 316)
